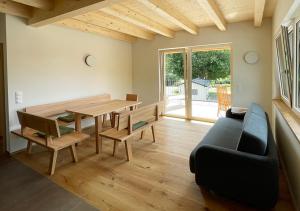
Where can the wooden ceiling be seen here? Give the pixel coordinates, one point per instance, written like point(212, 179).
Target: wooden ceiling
point(128, 20)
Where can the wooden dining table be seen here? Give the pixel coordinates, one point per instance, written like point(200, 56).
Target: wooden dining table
point(97, 111)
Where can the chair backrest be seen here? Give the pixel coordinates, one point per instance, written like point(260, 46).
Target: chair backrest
point(47, 126)
point(132, 97)
point(223, 96)
point(52, 109)
point(148, 114)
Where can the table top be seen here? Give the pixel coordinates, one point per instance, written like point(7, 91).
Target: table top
point(103, 108)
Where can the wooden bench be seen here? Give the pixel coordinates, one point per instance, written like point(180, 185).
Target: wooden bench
point(59, 108)
point(130, 123)
point(45, 132)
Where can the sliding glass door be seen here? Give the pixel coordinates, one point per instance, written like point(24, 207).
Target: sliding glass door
point(211, 82)
point(196, 82)
point(175, 82)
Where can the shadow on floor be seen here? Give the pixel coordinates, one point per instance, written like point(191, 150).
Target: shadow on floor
point(21, 188)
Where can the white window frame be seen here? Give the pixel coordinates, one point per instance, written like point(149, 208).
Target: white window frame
point(279, 71)
point(296, 46)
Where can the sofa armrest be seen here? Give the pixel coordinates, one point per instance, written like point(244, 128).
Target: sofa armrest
point(239, 175)
point(229, 114)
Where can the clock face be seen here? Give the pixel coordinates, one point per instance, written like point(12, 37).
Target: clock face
point(90, 61)
point(251, 57)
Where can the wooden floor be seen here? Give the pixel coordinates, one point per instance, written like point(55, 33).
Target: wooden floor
point(158, 177)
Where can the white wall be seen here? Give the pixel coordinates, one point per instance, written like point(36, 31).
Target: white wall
point(287, 142)
point(47, 65)
point(251, 83)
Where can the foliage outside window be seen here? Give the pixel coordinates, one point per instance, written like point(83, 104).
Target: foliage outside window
point(207, 65)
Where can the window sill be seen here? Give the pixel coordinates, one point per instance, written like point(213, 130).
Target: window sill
point(290, 117)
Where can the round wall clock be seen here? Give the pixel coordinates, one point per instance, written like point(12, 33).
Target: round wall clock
point(90, 61)
point(251, 57)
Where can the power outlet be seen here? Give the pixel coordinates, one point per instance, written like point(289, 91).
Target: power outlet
point(18, 97)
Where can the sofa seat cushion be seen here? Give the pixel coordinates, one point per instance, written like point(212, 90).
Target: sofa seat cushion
point(226, 133)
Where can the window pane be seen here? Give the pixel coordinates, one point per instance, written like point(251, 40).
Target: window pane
point(281, 68)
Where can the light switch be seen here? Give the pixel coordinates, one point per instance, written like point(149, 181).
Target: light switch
point(19, 97)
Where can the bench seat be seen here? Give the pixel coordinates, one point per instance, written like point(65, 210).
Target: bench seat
point(122, 135)
point(57, 144)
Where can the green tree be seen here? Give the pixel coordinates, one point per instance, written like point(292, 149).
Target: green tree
point(174, 67)
point(209, 65)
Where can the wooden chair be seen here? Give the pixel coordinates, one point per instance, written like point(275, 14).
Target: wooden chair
point(131, 123)
point(224, 98)
point(45, 132)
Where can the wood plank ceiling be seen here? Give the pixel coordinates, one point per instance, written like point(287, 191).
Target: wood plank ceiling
point(128, 20)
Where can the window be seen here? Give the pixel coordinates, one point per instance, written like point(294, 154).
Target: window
point(282, 69)
point(284, 45)
point(194, 91)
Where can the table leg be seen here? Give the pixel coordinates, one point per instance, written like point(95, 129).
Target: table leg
point(78, 122)
point(98, 129)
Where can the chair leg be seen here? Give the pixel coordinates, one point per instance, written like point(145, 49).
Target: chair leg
point(116, 147)
point(53, 162)
point(73, 153)
point(128, 150)
point(142, 134)
point(153, 133)
point(29, 147)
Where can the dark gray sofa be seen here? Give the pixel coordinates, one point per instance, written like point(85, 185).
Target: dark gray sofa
point(238, 159)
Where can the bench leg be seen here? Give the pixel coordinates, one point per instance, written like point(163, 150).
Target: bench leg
point(104, 120)
point(153, 133)
point(73, 153)
point(99, 145)
point(128, 150)
point(116, 147)
point(53, 162)
point(98, 129)
point(142, 134)
point(29, 147)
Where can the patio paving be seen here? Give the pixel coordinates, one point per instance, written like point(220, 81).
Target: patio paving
point(200, 109)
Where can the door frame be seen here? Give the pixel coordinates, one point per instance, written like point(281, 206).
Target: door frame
point(3, 75)
point(188, 75)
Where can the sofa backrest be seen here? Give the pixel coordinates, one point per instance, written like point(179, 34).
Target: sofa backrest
point(254, 137)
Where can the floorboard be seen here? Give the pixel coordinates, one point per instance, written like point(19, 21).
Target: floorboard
point(157, 178)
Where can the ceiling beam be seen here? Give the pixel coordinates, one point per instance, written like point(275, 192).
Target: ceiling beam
point(259, 7)
point(13, 8)
point(87, 27)
point(40, 4)
point(214, 13)
point(138, 19)
point(166, 10)
point(64, 9)
point(110, 22)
